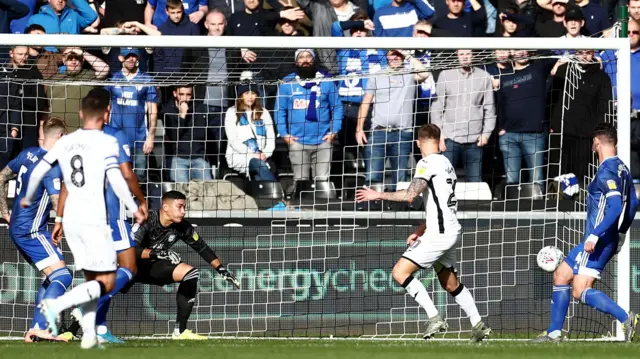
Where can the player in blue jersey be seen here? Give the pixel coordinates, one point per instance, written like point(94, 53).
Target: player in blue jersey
point(28, 226)
point(134, 107)
point(121, 231)
point(611, 208)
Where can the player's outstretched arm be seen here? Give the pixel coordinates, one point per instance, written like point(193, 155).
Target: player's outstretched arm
point(121, 190)
point(192, 239)
point(134, 186)
point(5, 175)
point(417, 186)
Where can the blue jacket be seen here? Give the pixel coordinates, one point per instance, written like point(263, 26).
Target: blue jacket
point(391, 21)
point(635, 80)
point(71, 21)
point(11, 10)
point(596, 18)
point(291, 111)
point(356, 62)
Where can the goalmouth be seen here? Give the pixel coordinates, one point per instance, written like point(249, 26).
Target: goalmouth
point(286, 263)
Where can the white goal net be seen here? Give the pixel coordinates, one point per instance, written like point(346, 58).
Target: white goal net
point(312, 261)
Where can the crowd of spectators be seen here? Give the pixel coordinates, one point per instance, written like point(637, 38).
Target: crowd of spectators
point(513, 104)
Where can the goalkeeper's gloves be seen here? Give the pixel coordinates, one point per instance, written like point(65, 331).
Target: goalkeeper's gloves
point(228, 276)
point(167, 254)
point(568, 184)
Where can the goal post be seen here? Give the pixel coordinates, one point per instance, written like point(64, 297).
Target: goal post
point(287, 267)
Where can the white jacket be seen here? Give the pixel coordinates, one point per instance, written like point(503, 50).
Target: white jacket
point(238, 154)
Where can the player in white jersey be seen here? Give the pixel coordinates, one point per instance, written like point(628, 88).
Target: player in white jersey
point(85, 156)
point(433, 245)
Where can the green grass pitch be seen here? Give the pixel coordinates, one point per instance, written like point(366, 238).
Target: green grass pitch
point(321, 349)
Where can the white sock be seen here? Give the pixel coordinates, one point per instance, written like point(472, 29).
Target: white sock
point(89, 318)
point(419, 293)
point(554, 334)
point(102, 329)
point(79, 295)
point(468, 304)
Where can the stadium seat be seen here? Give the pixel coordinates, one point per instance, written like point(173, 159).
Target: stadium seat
point(314, 190)
point(473, 191)
point(266, 194)
point(266, 190)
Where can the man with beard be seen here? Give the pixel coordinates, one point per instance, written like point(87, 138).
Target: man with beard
point(308, 117)
point(392, 121)
point(22, 101)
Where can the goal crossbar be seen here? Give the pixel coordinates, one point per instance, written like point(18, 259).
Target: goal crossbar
point(452, 43)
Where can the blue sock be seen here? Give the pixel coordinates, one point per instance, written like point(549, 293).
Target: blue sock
point(559, 307)
point(123, 277)
point(59, 281)
point(38, 319)
point(600, 301)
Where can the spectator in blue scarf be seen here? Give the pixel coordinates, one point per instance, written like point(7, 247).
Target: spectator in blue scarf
point(308, 116)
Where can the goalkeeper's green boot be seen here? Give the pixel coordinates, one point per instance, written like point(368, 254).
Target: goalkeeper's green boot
point(629, 326)
point(435, 325)
point(545, 338)
point(187, 335)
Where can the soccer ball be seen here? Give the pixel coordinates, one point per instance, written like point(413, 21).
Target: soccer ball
point(549, 258)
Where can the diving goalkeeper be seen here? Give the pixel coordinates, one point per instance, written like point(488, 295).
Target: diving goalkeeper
point(159, 265)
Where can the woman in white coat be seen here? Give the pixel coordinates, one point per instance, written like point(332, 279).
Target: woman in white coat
point(251, 136)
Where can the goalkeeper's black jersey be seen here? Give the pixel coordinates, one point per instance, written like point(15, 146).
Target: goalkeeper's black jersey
point(151, 234)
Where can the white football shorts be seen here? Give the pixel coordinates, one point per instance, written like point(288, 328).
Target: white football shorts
point(92, 246)
point(433, 250)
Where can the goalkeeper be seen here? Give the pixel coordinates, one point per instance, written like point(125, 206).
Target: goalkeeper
point(159, 265)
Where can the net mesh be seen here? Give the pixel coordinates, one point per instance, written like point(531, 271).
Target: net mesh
point(324, 268)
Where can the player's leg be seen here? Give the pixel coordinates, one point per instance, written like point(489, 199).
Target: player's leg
point(419, 255)
point(106, 282)
point(93, 251)
point(560, 299)
point(449, 282)
point(187, 276)
point(588, 270)
point(445, 269)
point(38, 250)
point(124, 275)
point(583, 291)
point(403, 275)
